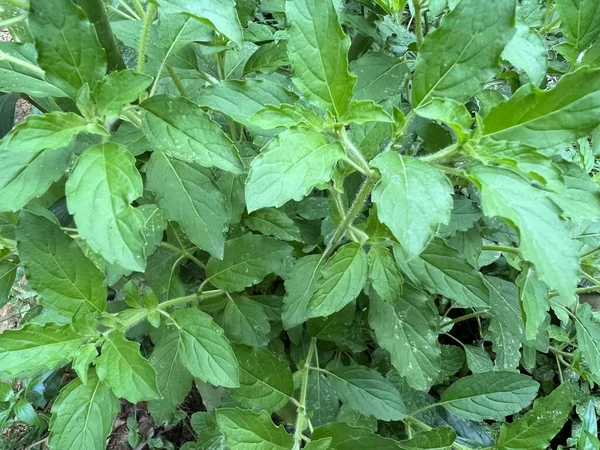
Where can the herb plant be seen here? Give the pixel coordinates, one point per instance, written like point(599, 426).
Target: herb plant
point(347, 225)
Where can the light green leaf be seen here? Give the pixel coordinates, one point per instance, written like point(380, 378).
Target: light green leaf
point(576, 193)
point(379, 76)
point(449, 112)
point(321, 444)
point(299, 288)
point(545, 240)
point(219, 14)
point(368, 392)
point(33, 347)
point(436, 439)
point(534, 302)
point(83, 358)
point(365, 111)
point(442, 270)
point(268, 58)
point(537, 118)
point(247, 430)
point(464, 215)
point(341, 280)
point(240, 100)
point(527, 51)
point(188, 195)
point(125, 371)
point(579, 21)
point(318, 53)
point(505, 345)
point(265, 379)
point(246, 261)
point(278, 175)
point(67, 45)
point(57, 268)
point(83, 415)
point(505, 305)
point(478, 360)
point(173, 380)
point(384, 274)
point(588, 338)
point(345, 437)
point(462, 45)
point(538, 427)
point(287, 116)
point(272, 222)
point(407, 329)
point(413, 198)
point(118, 89)
point(100, 199)
point(490, 396)
point(204, 350)
point(232, 188)
point(245, 321)
point(8, 273)
point(18, 78)
point(48, 131)
point(184, 131)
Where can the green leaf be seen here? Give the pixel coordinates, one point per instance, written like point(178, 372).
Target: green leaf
point(287, 116)
point(379, 76)
point(384, 274)
point(341, 280)
point(265, 379)
point(490, 396)
point(527, 51)
point(506, 346)
point(505, 305)
point(345, 437)
point(413, 198)
point(299, 288)
point(27, 175)
point(442, 270)
point(19, 78)
point(365, 111)
point(407, 329)
point(268, 58)
point(449, 112)
point(173, 380)
point(184, 131)
point(83, 358)
point(188, 195)
point(57, 268)
point(537, 118)
point(478, 360)
point(334, 327)
point(33, 347)
point(545, 239)
point(245, 321)
point(321, 399)
point(278, 175)
point(538, 427)
point(534, 302)
point(246, 261)
point(588, 338)
point(125, 371)
point(240, 100)
point(118, 89)
point(219, 14)
point(436, 439)
point(368, 392)
point(579, 21)
point(273, 222)
point(247, 430)
point(321, 444)
point(48, 131)
point(204, 350)
point(100, 199)
point(83, 415)
point(8, 273)
point(318, 53)
point(67, 44)
point(462, 46)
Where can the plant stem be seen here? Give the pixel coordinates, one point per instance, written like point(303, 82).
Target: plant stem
point(191, 298)
point(139, 8)
point(442, 154)
point(19, 62)
point(463, 318)
point(418, 22)
point(450, 171)
point(119, 12)
point(177, 81)
point(590, 252)
point(183, 252)
point(301, 418)
point(148, 19)
point(133, 14)
point(354, 153)
point(337, 200)
point(164, 61)
point(96, 13)
point(13, 20)
point(501, 248)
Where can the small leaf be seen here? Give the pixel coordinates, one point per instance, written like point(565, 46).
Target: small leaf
point(345, 437)
point(287, 116)
point(478, 360)
point(8, 273)
point(299, 287)
point(364, 111)
point(580, 22)
point(527, 51)
point(379, 76)
point(384, 274)
point(534, 302)
point(440, 438)
point(449, 112)
point(246, 322)
point(272, 222)
point(118, 89)
point(588, 338)
point(247, 430)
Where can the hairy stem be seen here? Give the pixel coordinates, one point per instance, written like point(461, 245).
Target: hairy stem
point(301, 418)
point(418, 22)
point(148, 19)
point(354, 153)
point(501, 248)
point(463, 318)
point(442, 154)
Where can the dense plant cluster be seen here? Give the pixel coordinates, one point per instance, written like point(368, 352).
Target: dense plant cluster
point(341, 225)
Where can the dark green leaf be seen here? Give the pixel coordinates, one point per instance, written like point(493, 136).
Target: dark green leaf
point(247, 430)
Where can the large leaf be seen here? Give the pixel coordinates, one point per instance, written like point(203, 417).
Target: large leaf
point(538, 427)
point(579, 21)
point(546, 119)
point(57, 268)
point(527, 51)
point(83, 415)
point(67, 44)
point(33, 347)
point(368, 392)
point(588, 338)
point(318, 53)
point(247, 430)
point(407, 329)
point(413, 198)
point(246, 322)
point(341, 280)
point(246, 261)
point(265, 379)
point(273, 222)
point(188, 195)
point(463, 46)
point(184, 131)
point(125, 371)
point(442, 270)
point(99, 196)
point(299, 288)
point(290, 167)
point(490, 395)
point(204, 350)
point(545, 239)
point(379, 76)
